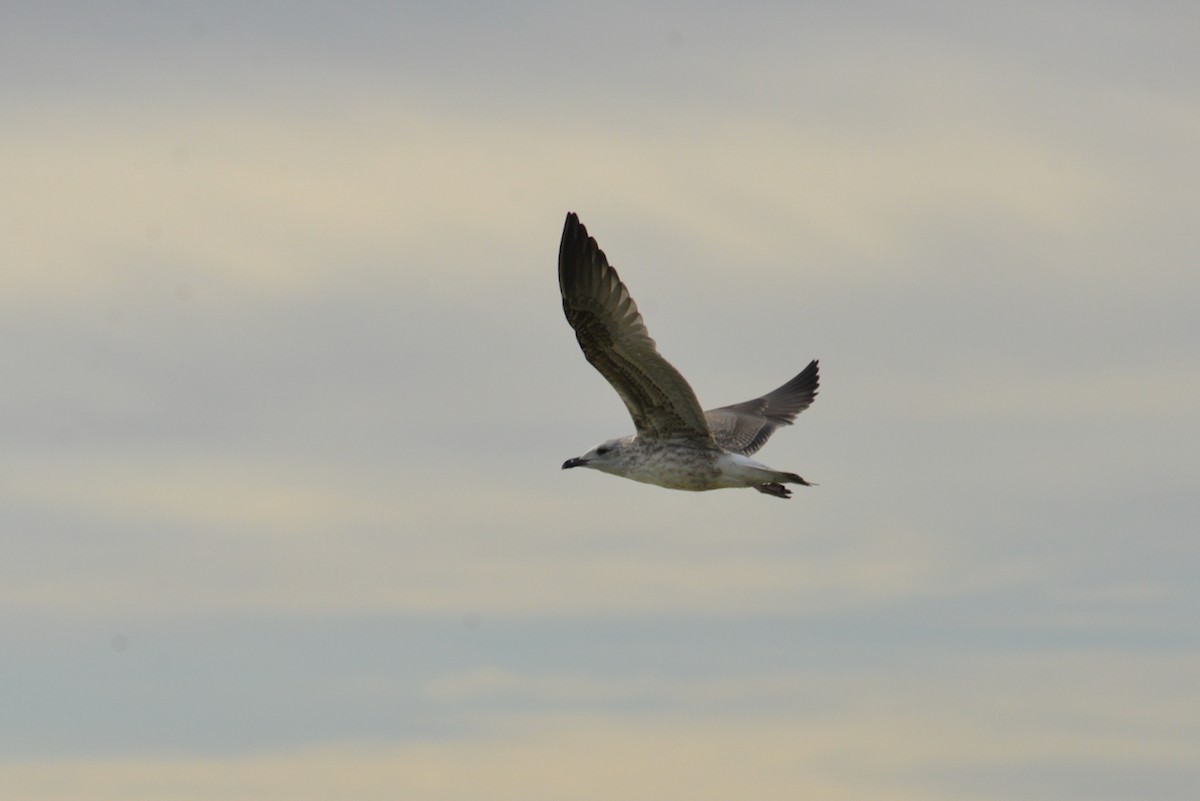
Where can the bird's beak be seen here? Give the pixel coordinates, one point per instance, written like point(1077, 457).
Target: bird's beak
point(576, 462)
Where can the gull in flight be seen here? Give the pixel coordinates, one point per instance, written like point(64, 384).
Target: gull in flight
point(676, 445)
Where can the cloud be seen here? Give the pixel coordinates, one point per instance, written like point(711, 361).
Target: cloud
point(270, 536)
point(311, 190)
point(990, 727)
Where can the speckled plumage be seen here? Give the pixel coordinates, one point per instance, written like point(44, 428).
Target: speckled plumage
point(677, 445)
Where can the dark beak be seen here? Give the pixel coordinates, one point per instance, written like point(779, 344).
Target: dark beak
point(576, 462)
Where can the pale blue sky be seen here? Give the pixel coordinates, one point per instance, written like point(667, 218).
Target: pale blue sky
point(288, 386)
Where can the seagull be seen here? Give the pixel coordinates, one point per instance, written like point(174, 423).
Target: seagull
point(677, 445)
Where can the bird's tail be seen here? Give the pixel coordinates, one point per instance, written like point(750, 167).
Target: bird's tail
point(776, 488)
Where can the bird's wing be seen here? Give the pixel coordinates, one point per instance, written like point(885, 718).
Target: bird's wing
point(614, 339)
point(745, 427)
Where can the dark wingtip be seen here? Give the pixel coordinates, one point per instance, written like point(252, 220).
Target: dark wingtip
point(573, 228)
point(580, 259)
point(781, 405)
point(573, 246)
point(810, 376)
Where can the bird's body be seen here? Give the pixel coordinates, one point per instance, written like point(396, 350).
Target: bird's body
point(677, 445)
point(684, 465)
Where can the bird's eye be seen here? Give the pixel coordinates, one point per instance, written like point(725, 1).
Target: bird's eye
point(603, 449)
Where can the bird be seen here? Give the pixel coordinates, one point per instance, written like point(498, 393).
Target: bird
point(676, 444)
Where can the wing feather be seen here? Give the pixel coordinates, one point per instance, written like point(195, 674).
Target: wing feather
point(614, 339)
point(745, 427)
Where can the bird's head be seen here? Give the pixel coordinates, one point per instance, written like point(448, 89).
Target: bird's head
point(607, 456)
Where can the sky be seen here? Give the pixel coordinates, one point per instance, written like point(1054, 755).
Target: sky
point(288, 388)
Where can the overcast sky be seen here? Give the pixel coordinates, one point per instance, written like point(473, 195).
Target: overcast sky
point(287, 387)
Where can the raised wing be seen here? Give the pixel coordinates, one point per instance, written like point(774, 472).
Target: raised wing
point(745, 427)
point(614, 339)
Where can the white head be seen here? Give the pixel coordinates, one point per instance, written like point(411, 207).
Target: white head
point(609, 457)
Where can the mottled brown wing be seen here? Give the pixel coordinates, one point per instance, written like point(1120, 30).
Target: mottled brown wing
point(614, 339)
point(745, 427)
